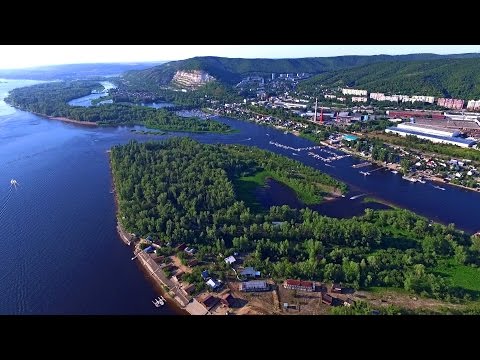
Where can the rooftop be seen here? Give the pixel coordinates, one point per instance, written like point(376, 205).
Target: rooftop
point(449, 138)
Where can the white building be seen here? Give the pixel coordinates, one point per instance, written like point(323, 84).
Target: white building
point(377, 96)
point(429, 130)
point(359, 99)
point(357, 92)
point(432, 134)
point(393, 98)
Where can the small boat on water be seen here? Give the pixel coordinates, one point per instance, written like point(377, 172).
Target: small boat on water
point(395, 171)
point(364, 173)
point(295, 154)
point(439, 187)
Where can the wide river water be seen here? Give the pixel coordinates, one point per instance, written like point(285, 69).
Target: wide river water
point(60, 253)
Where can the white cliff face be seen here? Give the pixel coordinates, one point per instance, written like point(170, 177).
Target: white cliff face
point(192, 78)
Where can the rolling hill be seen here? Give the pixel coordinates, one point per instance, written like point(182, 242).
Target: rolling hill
point(232, 70)
point(454, 77)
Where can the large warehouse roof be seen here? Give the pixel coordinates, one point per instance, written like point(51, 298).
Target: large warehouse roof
point(458, 140)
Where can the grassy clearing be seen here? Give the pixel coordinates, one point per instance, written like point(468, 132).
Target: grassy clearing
point(369, 199)
point(245, 188)
point(463, 276)
point(386, 290)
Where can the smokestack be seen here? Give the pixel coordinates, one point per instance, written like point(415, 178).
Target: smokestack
point(315, 116)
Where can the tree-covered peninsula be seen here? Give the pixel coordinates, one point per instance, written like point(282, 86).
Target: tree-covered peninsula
point(180, 191)
point(51, 99)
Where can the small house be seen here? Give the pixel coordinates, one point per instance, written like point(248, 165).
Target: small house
point(192, 262)
point(299, 285)
point(327, 299)
point(205, 275)
point(255, 285)
point(209, 301)
point(181, 247)
point(227, 300)
point(189, 289)
point(178, 275)
point(214, 284)
point(250, 272)
point(189, 251)
point(149, 249)
point(230, 260)
point(336, 288)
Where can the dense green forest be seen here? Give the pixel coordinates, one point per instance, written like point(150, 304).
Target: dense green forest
point(452, 78)
point(183, 191)
point(231, 70)
point(51, 99)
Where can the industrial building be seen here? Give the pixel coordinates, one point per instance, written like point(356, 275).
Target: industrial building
point(435, 135)
point(430, 130)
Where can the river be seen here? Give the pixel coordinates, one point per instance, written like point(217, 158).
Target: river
point(60, 251)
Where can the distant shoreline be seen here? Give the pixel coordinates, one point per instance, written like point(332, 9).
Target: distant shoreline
point(64, 119)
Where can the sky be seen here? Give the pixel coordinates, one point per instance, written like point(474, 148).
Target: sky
point(20, 56)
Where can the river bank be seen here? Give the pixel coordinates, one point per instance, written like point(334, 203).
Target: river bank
point(78, 122)
point(164, 287)
point(67, 120)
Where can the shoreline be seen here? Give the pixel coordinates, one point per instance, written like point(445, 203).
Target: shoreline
point(396, 167)
point(357, 155)
point(67, 120)
point(154, 273)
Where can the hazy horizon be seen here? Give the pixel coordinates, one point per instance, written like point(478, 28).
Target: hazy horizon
point(31, 56)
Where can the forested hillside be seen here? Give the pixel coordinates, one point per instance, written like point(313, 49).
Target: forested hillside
point(456, 78)
point(231, 70)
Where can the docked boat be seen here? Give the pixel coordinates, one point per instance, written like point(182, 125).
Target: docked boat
point(394, 171)
point(160, 301)
point(411, 179)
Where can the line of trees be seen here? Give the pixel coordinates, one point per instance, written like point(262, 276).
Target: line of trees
point(51, 100)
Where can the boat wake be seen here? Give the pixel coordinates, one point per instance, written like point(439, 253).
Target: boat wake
point(357, 196)
point(5, 200)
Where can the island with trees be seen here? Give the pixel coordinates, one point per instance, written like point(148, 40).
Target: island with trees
point(51, 100)
point(180, 194)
